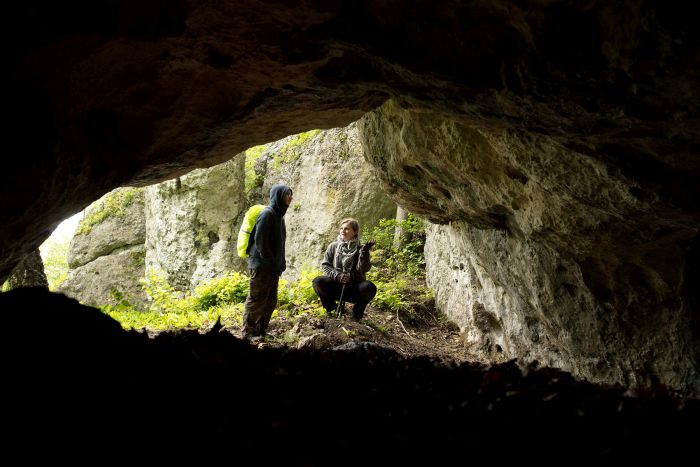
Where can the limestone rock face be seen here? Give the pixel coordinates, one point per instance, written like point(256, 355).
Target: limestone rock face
point(545, 253)
point(192, 224)
point(107, 250)
point(93, 282)
point(115, 231)
point(331, 181)
point(188, 227)
point(134, 93)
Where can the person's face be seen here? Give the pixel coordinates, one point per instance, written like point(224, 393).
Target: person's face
point(347, 232)
point(288, 198)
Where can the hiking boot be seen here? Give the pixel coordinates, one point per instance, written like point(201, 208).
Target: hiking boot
point(358, 311)
point(252, 337)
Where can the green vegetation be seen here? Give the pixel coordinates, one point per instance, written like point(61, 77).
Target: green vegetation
point(408, 260)
point(113, 204)
point(252, 179)
point(55, 259)
point(299, 296)
point(291, 152)
point(398, 273)
point(201, 240)
point(221, 298)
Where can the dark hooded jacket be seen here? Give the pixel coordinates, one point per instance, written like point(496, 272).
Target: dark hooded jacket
point(270, 234)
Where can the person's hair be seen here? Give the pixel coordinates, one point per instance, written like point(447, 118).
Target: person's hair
point(353, 223)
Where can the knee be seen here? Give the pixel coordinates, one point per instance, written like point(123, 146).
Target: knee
point(319, 282)
point(367, 290)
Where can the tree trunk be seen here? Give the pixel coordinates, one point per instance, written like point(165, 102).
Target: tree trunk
point(399, 238)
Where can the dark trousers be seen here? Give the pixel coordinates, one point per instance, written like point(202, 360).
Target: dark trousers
point(359, 293)
point(261, 301)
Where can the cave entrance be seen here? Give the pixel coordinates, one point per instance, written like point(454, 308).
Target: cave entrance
point(163, 257)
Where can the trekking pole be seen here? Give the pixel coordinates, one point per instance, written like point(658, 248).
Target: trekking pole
point(341, 303)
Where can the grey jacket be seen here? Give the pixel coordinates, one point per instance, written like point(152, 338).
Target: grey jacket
point(362, 264)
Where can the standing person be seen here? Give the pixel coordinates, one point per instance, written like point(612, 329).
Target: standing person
point(345, 264)
point(266, 262)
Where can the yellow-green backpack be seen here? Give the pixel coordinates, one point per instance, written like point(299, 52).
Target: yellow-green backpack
point(243, 243)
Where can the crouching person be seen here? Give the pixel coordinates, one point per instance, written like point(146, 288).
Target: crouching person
point(345, 265)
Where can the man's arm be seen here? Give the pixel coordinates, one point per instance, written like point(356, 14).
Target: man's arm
point(262, 241)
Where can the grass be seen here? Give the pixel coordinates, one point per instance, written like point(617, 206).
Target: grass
point(397, 273)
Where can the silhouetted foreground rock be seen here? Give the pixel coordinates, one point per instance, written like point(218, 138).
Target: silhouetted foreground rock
point(80, 390)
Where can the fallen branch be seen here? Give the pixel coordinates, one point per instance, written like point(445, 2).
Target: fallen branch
point(404, 327)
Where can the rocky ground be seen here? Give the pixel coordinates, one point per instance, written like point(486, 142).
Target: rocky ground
point(423, 334)
point(79, 389)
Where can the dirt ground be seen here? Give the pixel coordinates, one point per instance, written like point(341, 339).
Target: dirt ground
point(418, 330)
point(425, 334)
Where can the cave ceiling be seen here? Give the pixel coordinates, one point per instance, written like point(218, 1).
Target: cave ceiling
point(107, 94)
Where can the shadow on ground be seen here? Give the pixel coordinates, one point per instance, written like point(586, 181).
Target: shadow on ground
point(80, 390)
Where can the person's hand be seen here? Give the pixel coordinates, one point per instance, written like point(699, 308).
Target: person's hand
point(370, 243)
point(343, 278)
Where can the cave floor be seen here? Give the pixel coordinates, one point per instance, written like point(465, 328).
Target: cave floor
point(78, 389)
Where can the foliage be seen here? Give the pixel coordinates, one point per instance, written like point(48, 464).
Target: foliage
point(231, 288)
point(221, 298)
point(299, 296)
point(291, 151)
point(390, 294)
point(55, 259)
point(399, 295)
point(229, 316)
point(201, 240)
point(252, 179)
point(164, 297)
point(396, 272)
point(113, 204)
point(406, 260)
point(399, 271)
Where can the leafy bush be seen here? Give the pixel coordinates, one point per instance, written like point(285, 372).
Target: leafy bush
point(390, 294)
point(400, 295)
point(221, 298)
point(231, 288)
point(399, 270)
point(406, 260)
point(164, 297)
point(299, 296)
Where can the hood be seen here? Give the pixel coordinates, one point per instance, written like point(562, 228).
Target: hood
point(277, 193)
